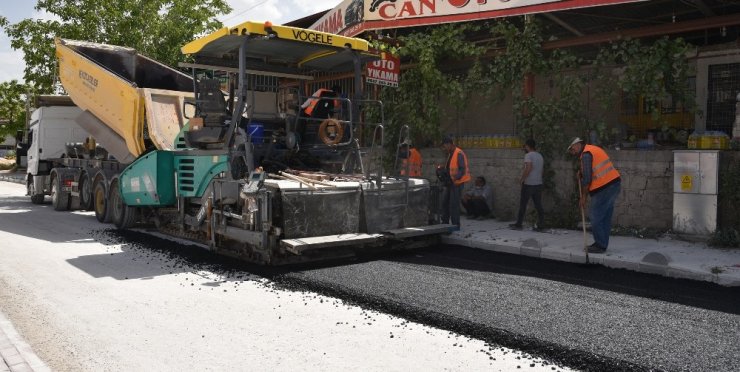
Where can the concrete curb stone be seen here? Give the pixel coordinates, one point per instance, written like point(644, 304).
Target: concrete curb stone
point(667, 257)
point(16, 356)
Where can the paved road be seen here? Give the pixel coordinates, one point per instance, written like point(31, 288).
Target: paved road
point(588, 317)
point(585, 317)
point(85, 300)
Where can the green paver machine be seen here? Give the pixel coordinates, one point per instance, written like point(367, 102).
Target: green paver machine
point(253, 175)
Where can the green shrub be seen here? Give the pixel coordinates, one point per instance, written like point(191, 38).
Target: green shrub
point(725, 238)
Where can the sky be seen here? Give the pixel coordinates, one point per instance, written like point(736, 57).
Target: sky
point(276, 11)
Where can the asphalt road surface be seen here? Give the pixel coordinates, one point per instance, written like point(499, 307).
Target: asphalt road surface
point(588, 317)
point(87, 300)
point(441, 308)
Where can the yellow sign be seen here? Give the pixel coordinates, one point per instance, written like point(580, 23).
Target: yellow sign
point(687, 183)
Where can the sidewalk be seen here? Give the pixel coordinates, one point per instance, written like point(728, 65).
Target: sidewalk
point(15, 354)
point(17, 177)
point(666, 256)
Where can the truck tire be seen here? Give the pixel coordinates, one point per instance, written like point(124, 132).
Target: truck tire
point(123, 215)
point(102, 212)
point(31, 190)
point(59, 198)
point(86, 193)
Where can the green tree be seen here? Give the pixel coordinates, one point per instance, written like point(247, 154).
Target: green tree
point(428, 80)
point(12, 107)
point(155, 28)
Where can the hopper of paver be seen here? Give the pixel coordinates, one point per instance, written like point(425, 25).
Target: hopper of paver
point(130, 103)
point(350, 206)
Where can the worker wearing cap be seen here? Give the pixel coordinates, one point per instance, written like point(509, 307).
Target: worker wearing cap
point(410, 159)
point(601, 180)
point(459, 172)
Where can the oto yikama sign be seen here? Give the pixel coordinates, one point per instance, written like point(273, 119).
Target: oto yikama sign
point(384, 71)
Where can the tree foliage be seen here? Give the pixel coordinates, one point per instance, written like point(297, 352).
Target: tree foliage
point(12, 107)
point(651, 71)
point(155, 28)
point(427, 81)
point(443, 65)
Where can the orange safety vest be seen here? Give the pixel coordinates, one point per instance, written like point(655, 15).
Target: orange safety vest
point(454, 167)
point(315, 98)
point(602, 169)
point(413, 162)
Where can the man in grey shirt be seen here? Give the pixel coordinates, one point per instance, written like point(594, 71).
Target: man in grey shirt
point(531, 181)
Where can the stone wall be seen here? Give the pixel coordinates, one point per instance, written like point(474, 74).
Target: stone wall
point(647, 183)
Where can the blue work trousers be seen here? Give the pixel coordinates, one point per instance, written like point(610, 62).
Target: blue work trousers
point(601, 210)
point(451, 204)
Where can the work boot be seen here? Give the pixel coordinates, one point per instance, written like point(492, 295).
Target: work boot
point(596, 248)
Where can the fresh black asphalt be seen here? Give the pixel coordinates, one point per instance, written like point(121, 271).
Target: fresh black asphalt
point(583, 316)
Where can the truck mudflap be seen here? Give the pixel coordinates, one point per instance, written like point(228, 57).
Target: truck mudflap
point(299, 246)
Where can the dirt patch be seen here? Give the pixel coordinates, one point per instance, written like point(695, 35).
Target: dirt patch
point(6, 164)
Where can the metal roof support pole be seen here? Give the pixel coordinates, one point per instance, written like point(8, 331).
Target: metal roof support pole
point(355, 109)
point(236, 115)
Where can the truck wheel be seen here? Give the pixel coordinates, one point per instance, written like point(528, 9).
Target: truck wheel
point(59, 198)
point(35, 198)
point(102, 212)
point(86, 194)
point(123, 215)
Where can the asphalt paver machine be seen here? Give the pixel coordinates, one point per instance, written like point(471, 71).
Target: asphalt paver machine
point(239, 177)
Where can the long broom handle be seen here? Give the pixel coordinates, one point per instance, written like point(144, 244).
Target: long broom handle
point(583, 218)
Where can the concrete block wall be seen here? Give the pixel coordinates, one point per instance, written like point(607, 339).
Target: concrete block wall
point(646, 199)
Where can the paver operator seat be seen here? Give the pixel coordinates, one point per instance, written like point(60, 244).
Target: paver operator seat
point(208, 127)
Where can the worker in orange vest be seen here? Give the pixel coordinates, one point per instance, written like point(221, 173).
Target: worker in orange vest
point(410, 159)
point(599, 179)
point(459, 174)
point(319, 107)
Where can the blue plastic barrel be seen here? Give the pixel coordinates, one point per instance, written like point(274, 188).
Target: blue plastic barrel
point(256, 132)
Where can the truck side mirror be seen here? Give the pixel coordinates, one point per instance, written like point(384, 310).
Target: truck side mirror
point(188, 109)
point(19, 136)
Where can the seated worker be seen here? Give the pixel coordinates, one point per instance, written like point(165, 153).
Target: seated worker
point(478, 201)
point(410, 159)
point(317, 108)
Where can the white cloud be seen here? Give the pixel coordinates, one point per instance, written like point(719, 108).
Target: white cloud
point(276, 11)
point(11, 64)
point(45, 16)
point(11, 61)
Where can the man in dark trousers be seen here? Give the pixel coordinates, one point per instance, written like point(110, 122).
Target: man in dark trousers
point(531, 181)
point(459, 172)
point(600, 180)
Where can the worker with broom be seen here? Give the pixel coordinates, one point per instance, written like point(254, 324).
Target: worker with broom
point(599, 179)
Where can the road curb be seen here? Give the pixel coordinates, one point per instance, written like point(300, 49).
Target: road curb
point(15, 354)
point(6, 178)
point(576, 255)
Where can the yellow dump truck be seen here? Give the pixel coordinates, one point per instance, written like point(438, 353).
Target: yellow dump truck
point(128, 99)
point(129, 104)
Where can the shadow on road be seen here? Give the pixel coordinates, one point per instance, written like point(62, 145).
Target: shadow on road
point(18, 216)
point(139, 255)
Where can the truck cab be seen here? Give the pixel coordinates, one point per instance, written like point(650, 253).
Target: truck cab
point(52, 126)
